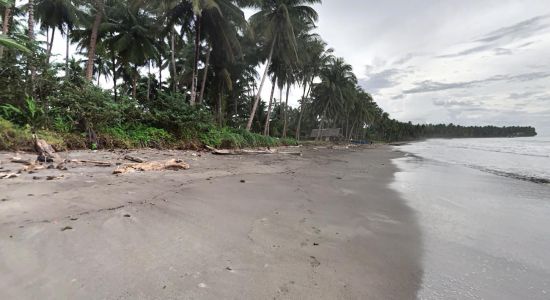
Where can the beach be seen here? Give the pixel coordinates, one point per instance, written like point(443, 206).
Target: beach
point(325, 225)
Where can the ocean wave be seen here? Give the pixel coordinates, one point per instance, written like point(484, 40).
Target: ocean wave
point(524, 177)
point(499, 151)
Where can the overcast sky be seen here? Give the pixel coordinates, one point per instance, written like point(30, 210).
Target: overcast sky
point(466, 62)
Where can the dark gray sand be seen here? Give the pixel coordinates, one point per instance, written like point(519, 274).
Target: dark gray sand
point(321, 226)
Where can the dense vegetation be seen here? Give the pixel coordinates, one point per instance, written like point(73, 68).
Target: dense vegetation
point(182, 73)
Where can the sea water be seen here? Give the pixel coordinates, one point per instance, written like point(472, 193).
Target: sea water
point(483, 206)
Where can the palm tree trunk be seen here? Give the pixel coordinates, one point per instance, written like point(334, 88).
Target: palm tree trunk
point(173, 59)
point(204, 75)
point(93, 40)
point(5, 26)
point(220, 120)
point(268, 117)
point(255, 106)
point(196, 61)
point(160, 72)
point(67, 45)
point(149, 83)
point(134, 87)
point(285, 112)
point(50, 46)
point(322, 120)
point(31, 40)
point(302, 110)
point(113, 58)
point(281, 102)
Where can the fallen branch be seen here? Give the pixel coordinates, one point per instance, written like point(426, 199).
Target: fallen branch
point(173, 164)
point(19, 160)
point(9, 175)
point(134, 159)
point(32, 168)
point(249, 152)
point(92, 162)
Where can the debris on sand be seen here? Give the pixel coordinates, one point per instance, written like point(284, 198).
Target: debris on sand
point(9, 176)
point(314, 262)
point(32, 168)
point(249, 152)
point(45, 151)
point(91, 162)
point(172, 164)
point(55, 177)
point(19, 160)
point(134, 159)
point(66, 228)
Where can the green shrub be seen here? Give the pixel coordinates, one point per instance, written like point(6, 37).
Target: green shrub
point(13, 138)
point(135, 137)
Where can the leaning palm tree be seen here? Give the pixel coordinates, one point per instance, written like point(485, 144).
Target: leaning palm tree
point(276, 23)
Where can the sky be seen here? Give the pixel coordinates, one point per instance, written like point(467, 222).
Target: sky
point(468, 62)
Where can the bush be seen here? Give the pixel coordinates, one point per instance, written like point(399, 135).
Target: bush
point(13, 137)
point(172, 113)
point(135, 137)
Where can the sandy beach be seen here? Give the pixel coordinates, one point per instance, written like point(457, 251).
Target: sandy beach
point(321, 226)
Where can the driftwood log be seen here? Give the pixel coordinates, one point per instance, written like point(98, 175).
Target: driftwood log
point(134, 159)
point(96, 163)
point(45, 151)
point(19, 160)
point(250, 152)
point(173, 164)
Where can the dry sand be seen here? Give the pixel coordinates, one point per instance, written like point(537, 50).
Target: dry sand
point(321, 226)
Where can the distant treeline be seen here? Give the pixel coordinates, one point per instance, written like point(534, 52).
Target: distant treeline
point(393, 130)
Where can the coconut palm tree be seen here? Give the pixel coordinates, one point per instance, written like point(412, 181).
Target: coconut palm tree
point(98, 10)
point(276, 23)
point(6, 6)
point(315, 56)
point(132, 37)
point(56, 14)
point(337, 84)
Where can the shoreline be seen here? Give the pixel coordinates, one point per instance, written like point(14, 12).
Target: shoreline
point(322, 226)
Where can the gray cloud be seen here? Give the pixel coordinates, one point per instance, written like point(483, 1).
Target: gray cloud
point(455, 103)
point(380, 80)
point(519, 30)
point(494, 40)
point(433, 86)
point(521, 96)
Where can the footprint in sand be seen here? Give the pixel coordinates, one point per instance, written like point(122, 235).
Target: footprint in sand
point(314, 262)
point(316, 230)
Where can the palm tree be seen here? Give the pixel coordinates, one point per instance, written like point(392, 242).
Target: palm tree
point(7, 6)
point(337, 84)
point(132, 38)
point(98, 10)
point(276, 22)
point(56, 14)
point(316, 55)
point(30, 21)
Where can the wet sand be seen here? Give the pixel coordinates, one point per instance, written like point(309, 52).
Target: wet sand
point(321, 226)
